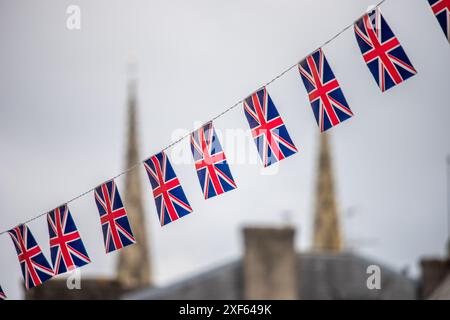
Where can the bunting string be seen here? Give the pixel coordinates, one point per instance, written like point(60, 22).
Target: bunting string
point(386, 60)
point(225, 111)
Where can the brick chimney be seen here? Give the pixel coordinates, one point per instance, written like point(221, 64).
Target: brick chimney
point(270, 270)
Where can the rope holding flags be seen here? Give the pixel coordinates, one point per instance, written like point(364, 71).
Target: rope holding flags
point(386, 60)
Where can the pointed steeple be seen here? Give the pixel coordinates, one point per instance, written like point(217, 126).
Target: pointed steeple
point(134, 268)
point(327, 232)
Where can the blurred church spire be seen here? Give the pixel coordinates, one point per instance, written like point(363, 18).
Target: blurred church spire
point(327, 231)
point(134, 267)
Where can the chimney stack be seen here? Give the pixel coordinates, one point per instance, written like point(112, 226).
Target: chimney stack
point(270, 270)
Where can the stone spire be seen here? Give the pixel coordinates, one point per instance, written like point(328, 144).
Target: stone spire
point(327, 232)
point(134, 268)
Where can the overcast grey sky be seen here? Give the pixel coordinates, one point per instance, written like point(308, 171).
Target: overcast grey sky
point(63, 112)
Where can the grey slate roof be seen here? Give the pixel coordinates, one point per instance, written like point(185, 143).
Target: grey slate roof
point(320, 276)
point(343, 276)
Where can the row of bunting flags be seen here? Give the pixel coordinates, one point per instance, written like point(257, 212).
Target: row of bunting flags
point(386, 60)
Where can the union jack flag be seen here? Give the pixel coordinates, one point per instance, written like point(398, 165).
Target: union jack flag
point(35, 267)
point(66, 247)
point(325, 95)
point(268, 130)
point(210, 162)
point(2, 294)
point(171, 202)
point(441, 9)
point(381, 50)
point(116, 228)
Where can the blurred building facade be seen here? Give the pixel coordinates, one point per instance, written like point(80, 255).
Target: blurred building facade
point(271, 268)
